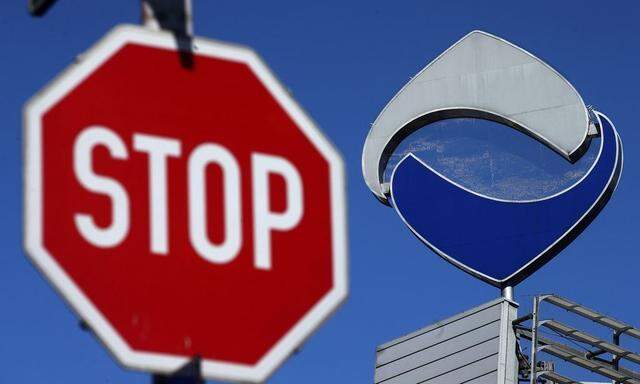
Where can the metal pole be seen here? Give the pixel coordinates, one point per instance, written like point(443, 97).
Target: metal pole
point(176, 17)
point(534, 339)
point(616, 358)
point(171, 15)
point(507, 293)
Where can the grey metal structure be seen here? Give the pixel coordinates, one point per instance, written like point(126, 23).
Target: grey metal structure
point(556, 378)
point(481, 76)
point(591, 360)
point(578, 358)
point(477, 346)
point(171, 15)
point(607, 321)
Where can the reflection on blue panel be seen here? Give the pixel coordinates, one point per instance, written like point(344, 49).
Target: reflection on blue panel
point(501, 241)
point(492, 158)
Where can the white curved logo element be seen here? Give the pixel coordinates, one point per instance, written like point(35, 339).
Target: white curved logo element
point(487, 77)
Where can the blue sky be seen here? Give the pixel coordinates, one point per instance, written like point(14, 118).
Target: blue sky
point(342, 61)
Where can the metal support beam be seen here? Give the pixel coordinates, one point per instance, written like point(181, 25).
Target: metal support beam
point(507, 293)
point(556, 378)
point(576, 357)
point(534, 340)
point(583, 337)
point(607, 321)
point(618, 356)
point(522, 319)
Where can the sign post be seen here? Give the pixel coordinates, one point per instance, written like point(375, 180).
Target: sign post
point(184, 212)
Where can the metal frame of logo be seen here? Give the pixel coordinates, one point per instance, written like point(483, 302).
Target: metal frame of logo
point(81, 304)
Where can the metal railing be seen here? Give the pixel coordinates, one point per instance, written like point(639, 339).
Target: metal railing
point(595, 347)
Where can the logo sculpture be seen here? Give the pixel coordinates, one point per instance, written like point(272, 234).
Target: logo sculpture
point(499, 241)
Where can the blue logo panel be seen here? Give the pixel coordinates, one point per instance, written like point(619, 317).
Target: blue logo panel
point(502, 241)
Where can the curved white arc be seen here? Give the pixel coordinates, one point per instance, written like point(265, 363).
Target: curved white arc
point(500, 282)
point(481, 89)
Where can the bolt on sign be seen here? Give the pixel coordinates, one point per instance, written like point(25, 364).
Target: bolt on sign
point(184, 212)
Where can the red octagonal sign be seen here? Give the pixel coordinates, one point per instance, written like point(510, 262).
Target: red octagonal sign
point(184, 211)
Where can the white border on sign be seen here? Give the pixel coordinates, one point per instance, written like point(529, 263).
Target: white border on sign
point(81, 304)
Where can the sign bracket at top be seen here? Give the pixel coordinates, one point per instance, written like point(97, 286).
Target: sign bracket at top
point(170, 15)
point(158, 15)
point(173, 16)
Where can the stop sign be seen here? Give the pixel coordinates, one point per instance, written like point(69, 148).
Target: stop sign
point(184, 212)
